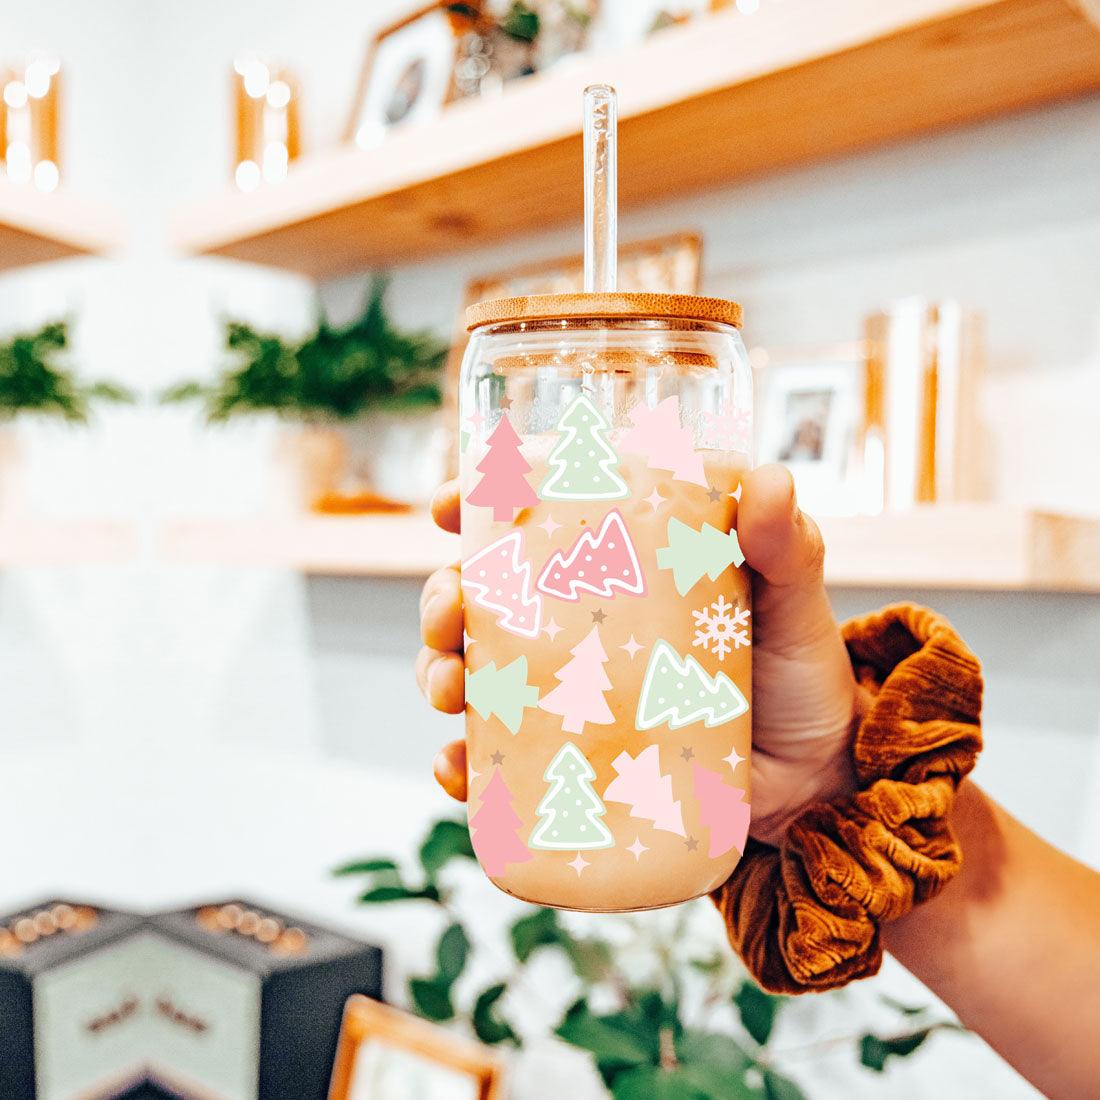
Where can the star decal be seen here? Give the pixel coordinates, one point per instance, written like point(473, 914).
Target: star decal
point(637, 848)
point(688, 752)
point(497, 758)
point(506, 402)
point(714, 495)
point(552, 629)
point(655, 499)
point(473, 772)
point(734, 758)
point(692, 844)
point(632, 647)
point(467, 641)
point(736, 494)
point(599, 617)
point(549, 526)
point(476, 421)
point(578, 864)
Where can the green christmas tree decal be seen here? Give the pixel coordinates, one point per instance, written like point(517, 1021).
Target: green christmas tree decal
point(678, 691)
point(692, 553)
point(584, 465)
point(501, 691)
point(570, 810)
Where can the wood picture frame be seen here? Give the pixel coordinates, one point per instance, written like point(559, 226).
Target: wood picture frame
point(671, 264)
point(367, 131)
point(369, 1025)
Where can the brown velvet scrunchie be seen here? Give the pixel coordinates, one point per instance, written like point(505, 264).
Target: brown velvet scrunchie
point(806, 917)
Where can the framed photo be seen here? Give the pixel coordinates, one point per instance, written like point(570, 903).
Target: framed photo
point(408, 73)
point(387, 1054)
point(811, 415)
point(671, 264)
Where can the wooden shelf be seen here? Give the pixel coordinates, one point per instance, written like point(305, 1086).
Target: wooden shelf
point(356, 546)
point(701, 105)
point(35, 227)
point(957, 546)
point(26, 541)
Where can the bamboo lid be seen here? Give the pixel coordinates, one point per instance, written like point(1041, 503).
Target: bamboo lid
point(554, 307)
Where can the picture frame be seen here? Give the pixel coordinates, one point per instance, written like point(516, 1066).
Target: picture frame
point(386, 1054)
point(408, 73)
point(812, 416)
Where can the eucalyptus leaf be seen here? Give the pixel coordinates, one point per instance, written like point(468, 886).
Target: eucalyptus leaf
point(432, 999)
point(539, 929)
point(654, 1083)
point(365, 867)
point(758, 1010)
point(875, 1050)
point(446, 841)
point(489, 1026)
point(778, 1087)
point(716, 1064)
point(606, 1037)
point(381, 894)
point(904, 1009)
point(452, 952)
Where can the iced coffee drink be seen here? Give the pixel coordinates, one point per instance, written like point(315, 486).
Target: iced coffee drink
point(607, 605)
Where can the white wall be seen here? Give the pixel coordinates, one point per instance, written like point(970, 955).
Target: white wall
point(171, 731)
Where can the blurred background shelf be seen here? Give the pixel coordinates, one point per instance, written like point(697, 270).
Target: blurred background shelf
point(37, 227)
point(35, 542)
point(354, 546)
point(957, 547)
point(914, 65)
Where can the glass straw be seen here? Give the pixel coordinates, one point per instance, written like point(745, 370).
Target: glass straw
point(601, 189)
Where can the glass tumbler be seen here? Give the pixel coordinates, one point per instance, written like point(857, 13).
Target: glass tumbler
point(607, 606)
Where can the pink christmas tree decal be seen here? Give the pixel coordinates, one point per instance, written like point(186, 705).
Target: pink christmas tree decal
point(579, 696)
point(494, 828)
point(645, 790)
point(503, 486)
point(664, 442)
point(599, 563)
point(499, 579)
point(723, 810)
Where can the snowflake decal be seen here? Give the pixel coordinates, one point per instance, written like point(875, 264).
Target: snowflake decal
point(729, 429)
point(718, 631)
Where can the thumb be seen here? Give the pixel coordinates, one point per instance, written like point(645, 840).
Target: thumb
point(785, 550)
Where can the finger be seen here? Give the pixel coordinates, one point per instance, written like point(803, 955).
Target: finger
point(441, 623)
point(780, 542)
point(450, 769)
point(445, 506)
point(442, 680)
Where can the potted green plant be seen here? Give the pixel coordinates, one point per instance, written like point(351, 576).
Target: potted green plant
point(661, 1013)
point(364, 395)
point(36, 380)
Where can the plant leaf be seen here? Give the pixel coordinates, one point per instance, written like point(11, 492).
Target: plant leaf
point(446, 840)
point(654, 1083)
point(452, 953)
point(716, 1064)
point(904, 1009)
point(432, 999)
point(592, 959)
point(778, 1087)
point(758, 1010)
point(365, 867)
point(489, 1026)
point(605, 1037)
point(540, 929)
point(875, 1050)
point(380, 894)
